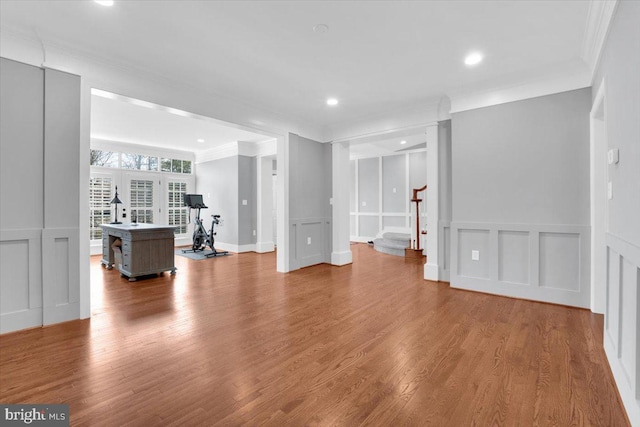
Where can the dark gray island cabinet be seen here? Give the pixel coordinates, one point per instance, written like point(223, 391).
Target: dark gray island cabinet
point(145, 249)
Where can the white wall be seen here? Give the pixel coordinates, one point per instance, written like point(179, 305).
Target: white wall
point(39, 219)
point(310, 215)
point(620, 70)
point(521, 198)
point(381, 189)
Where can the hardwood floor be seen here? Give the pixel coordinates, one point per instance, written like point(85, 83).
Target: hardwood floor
point(229, 341)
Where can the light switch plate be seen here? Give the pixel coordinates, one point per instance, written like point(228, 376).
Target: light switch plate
point(475, 255)
point(244, 202)
point(308, 240)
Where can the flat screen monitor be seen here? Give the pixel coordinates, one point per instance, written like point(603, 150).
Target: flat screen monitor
point(193, 200)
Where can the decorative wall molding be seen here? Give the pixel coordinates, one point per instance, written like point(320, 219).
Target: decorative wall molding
point(28, 313)
point(60, 275)
point(561, 81)
point(599, 18)
point(540, 262)
point(444, 248)
point(307, 252)
point(25, 47)
point(622, 321)
point(221, 152)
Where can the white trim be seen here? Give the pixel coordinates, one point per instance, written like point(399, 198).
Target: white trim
point(599, 19)
point(148, 150)
point(432, 267)
point(221, 152)
point(222, 246)
point(283, 229)
point(341, 258)
point(264, 247)
point(370, 156)
point(253, 149)
point(566, 81)
point(599, 203)
point(432, 272)
point(371, 136)
point(361, 239)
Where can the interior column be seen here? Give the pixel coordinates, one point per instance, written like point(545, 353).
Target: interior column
point(341, 250)
point(432, 267)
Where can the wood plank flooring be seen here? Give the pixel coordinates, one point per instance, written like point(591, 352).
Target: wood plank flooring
point(229, 341)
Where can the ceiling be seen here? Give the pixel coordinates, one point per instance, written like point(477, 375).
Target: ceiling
point(122, 119)
point(376, 57)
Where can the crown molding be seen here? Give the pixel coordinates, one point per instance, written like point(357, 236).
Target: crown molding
point(599, 18)
point(221, 152)
point(563, 81)
point(26, 47)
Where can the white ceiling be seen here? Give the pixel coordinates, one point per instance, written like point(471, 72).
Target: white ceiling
point(378, 56)
point(122, 119)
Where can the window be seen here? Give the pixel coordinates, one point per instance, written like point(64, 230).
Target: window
point(177, 210)
point(165, 165)
point(186, 166)
point(176, 166)
point(139, 162)
point(107, 159)
point(142, 201)
point(99, 202)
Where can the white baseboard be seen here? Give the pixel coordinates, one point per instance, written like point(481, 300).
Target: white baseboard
point(263, 247)
point(631, 404)
point(361, 239)
point(432, 272)
point(341, 258)
point(222, 246)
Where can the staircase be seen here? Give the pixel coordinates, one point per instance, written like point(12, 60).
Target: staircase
point(392, 243)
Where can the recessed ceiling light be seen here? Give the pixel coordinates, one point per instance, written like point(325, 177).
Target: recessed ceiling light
point(321, 28)
point(200, 140)
point(473, 59)
point(332, 101)
point(104, 2)
point(403, 142)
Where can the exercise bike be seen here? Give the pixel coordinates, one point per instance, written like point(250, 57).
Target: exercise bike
point(201, 237)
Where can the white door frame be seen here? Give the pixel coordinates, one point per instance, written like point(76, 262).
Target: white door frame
point(599, 201)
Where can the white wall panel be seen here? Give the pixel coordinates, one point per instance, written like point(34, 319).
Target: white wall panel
point(20, 279)
point(473, 240)
point(60, 275)
point(612, 322)
point(560, 261)
point(509, 251)
point(628, 324)
point(513, 256)
point(622, 319)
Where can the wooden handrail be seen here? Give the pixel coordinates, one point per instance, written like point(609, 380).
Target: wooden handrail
point(417, 202)
point(416, 191)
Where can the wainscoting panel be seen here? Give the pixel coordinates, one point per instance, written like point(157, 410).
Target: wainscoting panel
point(612, 322)
point(311, 240)
point(560, 260)
point(473, 240)
point(61, 296)
point(20, 279)
point(369, 226)
point(540, 262)
point(444, 250)
point(393, 221)
point(513, 257)
point(622, 320)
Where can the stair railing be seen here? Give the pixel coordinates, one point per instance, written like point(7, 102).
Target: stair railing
point(417, 201)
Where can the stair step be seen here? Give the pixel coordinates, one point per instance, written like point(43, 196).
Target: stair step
point(390, 247)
